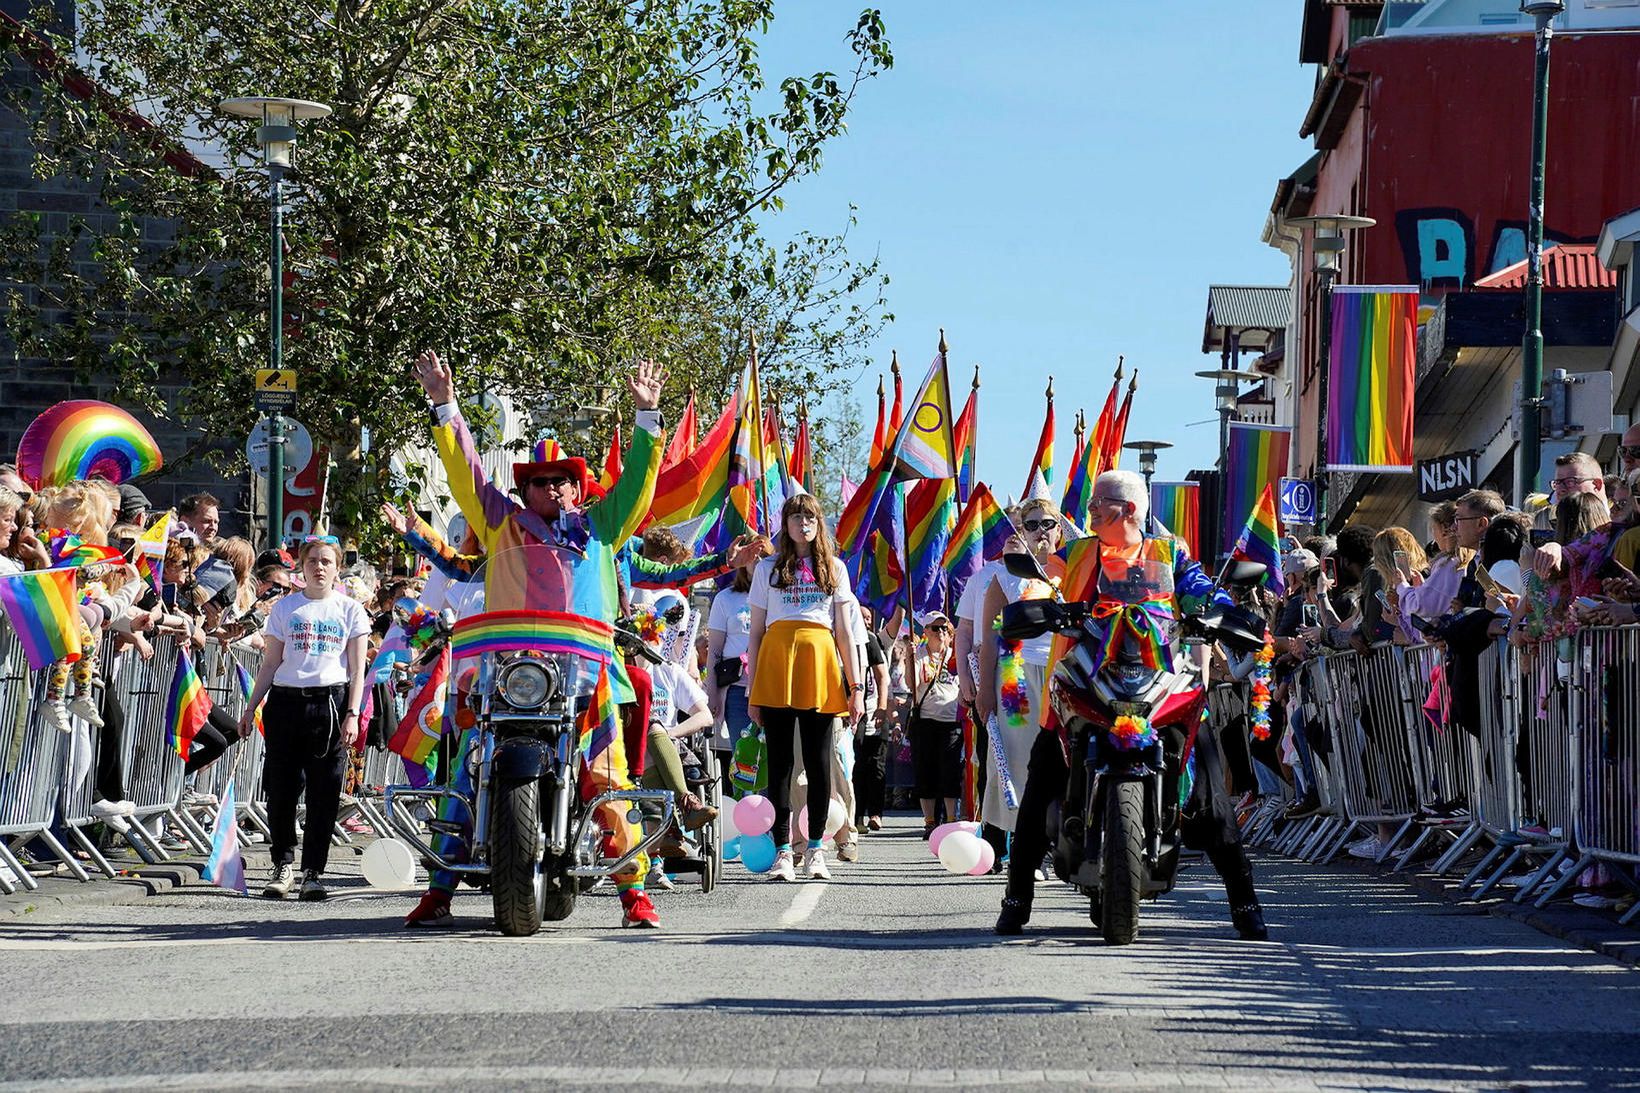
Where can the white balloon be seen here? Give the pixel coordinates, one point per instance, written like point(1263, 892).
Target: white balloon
point(726, 822)
point(389, 864)
point(836, 817)
point(960, 852)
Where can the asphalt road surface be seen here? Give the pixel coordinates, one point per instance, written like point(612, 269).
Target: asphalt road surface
point(886, 977)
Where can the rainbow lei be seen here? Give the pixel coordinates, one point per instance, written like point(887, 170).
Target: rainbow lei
point(1261, 688)
point(1015, 698)
point(1131, 733)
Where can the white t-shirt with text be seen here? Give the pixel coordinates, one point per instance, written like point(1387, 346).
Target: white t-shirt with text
point(315, 634)
point(803, 601)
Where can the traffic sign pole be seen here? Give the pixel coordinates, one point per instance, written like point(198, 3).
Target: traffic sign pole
point(276, 356)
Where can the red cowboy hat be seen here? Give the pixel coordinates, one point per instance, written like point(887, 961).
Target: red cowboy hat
point(573, 468)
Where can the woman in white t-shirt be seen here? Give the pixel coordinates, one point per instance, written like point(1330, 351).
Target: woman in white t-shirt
point(1012, 675)
point(803, 671)
point(936, 742)
point(313, 674)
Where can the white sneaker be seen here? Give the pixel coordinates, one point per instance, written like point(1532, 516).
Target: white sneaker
point(782, 869)
point(814, 864)
point(849, 851)
point(82, 707)
point(106, 810)
point(57, 715)
point(282, 881)
point(658, 879)
point(193, 798)
point(1367, 848)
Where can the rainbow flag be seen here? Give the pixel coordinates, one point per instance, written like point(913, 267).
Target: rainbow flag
point(612, 462)
point(965, 438)
point(683, 437)
point(247, 687)
point(599, 724)
point(700, 482)
point(1079, 485)
point(1256, 458)
point(69, 551)
point(1177, 507)
point(540, 631)
point(860, 517)
point(883, 576)
point(150, 559)
point(923, 446)
point(1042, 462)
point(1112, 454)
point(41, 606)
point(879, 434)
point(981, 533)
point(1260, 540)
point(422, 725)
point(1374, 372)
point(1104, 428)
point(931, 509)
point(187, 705)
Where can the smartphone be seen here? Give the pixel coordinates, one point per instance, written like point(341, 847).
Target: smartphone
point(1312, 616)
point(1540, 536)
point(1403, 562)
point(1383, 598)
point(1329, 568)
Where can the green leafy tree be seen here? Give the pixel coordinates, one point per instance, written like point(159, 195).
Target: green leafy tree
point(542, 190)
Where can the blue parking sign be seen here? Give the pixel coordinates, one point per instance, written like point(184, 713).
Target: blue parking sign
point(1297, 501)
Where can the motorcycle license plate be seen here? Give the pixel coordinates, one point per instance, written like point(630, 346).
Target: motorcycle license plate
point(1128, 709)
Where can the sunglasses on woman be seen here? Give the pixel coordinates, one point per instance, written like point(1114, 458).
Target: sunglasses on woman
point(1039, 525)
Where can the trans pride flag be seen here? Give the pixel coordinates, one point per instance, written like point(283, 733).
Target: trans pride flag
point(225, 868)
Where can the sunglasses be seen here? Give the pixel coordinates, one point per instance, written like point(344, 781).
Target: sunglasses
point(1629, 451)
point(940, 626)
point(1039, 525)
point(550, 482)
point(331, 539)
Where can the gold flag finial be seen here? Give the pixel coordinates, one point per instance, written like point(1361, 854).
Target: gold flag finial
point(943, 347)
point(1050, 388)
point(879, 386)
point(1119, 360)
point(1133, 384)
point(894, 362)
point(976, 377)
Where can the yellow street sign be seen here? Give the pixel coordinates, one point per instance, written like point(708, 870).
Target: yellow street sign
point(276, 379)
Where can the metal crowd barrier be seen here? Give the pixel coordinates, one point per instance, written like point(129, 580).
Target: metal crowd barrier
point(32, 754)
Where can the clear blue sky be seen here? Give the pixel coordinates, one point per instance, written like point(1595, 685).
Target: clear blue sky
point(1057, 183)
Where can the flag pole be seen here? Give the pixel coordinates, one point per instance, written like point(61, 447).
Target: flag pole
point(756, 394)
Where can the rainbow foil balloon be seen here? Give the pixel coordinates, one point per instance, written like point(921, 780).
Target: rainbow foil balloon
point(85, 438)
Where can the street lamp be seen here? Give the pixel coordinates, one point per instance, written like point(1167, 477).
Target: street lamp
point(1226, 392)
point(276, 136)
point(1147, 450)
point(1531, 357)
point(1327, 245)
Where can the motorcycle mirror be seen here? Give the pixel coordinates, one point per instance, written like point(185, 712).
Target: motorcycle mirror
point(1024, 565)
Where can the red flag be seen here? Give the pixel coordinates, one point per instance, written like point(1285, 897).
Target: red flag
point(896, 415)
point(612, 462)
point(798, 466)
point(1118, 432)
point(683, 437)
point(879, 436)
point(1099, 439)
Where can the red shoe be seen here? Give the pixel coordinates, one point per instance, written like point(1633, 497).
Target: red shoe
point(433, 910)
point(639, 911)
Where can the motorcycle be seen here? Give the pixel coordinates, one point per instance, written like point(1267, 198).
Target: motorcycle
point(1130, 719)
point(526, 677)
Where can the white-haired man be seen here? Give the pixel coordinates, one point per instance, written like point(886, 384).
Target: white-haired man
point(1117, 517)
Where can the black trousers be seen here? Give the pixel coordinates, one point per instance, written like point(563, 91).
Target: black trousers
point(870, 777)
point(110, 740)
point(782, 728)
point(304, 751)
point(936, 759)
point(212, 739)
point(1204, 828)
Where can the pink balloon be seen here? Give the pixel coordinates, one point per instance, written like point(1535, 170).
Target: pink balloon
point(754, 814)
point(803, 822)
point(938, 836)
point(987, 858)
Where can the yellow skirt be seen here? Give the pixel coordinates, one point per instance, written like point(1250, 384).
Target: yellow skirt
point(797, 668)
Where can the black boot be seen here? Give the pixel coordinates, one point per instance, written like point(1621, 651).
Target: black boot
point(1249, 922)
point(1013, 917)
point(1237, 872)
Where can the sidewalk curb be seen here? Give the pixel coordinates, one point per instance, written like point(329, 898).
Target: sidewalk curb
point(131, 886)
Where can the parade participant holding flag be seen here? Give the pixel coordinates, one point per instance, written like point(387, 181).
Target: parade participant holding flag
point(549, 553)
point(1117, 518)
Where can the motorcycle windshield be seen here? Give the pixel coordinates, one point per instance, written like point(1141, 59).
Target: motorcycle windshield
point(1135, 581)
point(516, 602)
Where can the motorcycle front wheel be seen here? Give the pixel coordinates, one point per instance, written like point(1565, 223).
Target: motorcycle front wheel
point(518, 878)
point(1123, 865)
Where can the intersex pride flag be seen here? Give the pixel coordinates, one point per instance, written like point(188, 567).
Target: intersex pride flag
point(1374, 369)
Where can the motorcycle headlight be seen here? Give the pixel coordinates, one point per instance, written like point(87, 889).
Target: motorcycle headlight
point(528, 684)
point(1134, 678)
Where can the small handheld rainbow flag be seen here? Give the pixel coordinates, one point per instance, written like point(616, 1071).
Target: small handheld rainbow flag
point(1260, 540)
point(42, 608)
point(599, 724)
point(247, 687)
point(150, 559)
point(186, 705)
point(69, 551)
point(423, 721)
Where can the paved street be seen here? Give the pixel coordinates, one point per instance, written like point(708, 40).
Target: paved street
point(886, 977)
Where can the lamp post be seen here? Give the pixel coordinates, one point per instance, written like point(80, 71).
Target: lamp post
point(1531, 357)
point(1226, 391)
point(1327, 245)
point(276, 136)
point(1147, 450)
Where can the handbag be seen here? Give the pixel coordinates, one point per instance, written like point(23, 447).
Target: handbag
point(727, 672)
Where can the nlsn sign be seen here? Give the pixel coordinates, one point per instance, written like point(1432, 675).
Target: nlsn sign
point(1447, 477)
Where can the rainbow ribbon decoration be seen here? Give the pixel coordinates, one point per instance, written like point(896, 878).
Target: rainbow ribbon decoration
point(1137, 622)
point(533, 631)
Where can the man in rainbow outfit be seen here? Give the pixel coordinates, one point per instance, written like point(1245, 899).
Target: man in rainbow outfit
point(1117, 518)
point(546, 552)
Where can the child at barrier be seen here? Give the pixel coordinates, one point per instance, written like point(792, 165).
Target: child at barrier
point(313, 676)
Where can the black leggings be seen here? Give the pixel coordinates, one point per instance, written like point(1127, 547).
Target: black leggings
point(211, 740)
point(110, 743)
point(781, 726)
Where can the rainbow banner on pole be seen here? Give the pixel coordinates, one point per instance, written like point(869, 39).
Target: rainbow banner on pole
point(1374, 369)
point(1177, 507)
point(1255, 457)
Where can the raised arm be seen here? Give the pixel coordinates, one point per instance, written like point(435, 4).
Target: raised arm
point(485, 506)
point(419, 535)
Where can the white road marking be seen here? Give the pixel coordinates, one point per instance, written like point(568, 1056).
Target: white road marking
point(53, 945)
point(803, 904)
